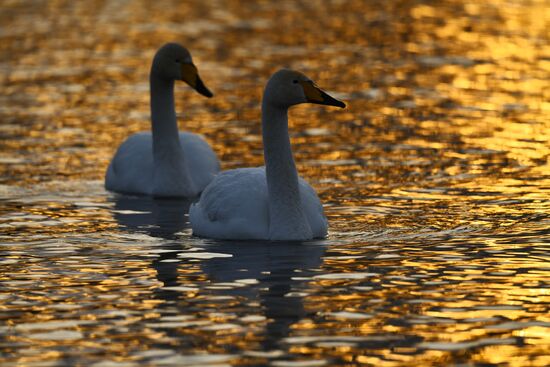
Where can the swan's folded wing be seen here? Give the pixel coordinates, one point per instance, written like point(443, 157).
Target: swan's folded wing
point(233, 205)
point(130, 171)
point(201, 160)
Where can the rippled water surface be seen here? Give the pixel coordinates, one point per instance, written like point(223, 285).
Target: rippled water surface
point(435, 180)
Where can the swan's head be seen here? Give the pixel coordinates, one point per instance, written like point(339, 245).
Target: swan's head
point(174, 62)
point(287, 88)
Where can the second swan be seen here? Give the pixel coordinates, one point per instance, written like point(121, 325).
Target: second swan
point(271, 202)
point(166, 162)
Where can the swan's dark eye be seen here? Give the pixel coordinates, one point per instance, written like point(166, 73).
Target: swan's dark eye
point(295, 81)
point(177, 60)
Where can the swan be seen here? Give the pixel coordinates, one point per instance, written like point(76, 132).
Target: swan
point(166, 162)
point(271, 202)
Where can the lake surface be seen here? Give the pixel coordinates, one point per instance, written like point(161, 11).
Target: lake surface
point(435, 180)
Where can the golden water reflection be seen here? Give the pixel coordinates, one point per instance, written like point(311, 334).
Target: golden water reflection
point(435, 179)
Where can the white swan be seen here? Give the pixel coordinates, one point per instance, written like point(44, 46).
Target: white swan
point(167, 162)
point(271, 202)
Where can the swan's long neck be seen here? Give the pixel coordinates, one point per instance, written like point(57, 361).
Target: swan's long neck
point(169, 173)
point(286, 215)
point(163, 115)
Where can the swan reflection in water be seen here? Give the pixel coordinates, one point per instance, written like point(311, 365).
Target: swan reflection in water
point(157, 217)
point(153, 216)
point(277, 266)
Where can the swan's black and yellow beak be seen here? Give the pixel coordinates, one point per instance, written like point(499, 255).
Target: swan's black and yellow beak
point(190, 75)
point(316, 95)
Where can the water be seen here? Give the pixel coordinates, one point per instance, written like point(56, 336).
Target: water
point(435, 181)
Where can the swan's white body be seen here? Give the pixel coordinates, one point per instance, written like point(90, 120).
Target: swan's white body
point(270, 203)
point(165, 163)
point(132, 168)
point(236, 206)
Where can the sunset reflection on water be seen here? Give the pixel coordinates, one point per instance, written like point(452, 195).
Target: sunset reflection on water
point(435, 181)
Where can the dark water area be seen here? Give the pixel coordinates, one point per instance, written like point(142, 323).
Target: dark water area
point(435, 180)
